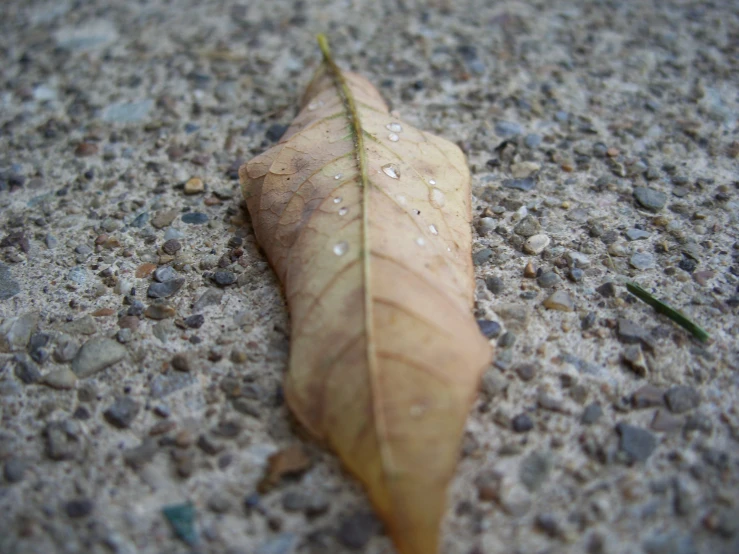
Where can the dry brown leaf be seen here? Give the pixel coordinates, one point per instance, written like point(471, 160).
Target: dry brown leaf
point(366, 221)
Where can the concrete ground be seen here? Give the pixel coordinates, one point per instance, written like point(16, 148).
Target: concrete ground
point(608, 127)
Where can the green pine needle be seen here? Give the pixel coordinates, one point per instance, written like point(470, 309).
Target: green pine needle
point(676, 316)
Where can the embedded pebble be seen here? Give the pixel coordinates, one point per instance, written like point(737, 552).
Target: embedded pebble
point(490, 329)
point(95, 355)
point(650, 198)
point(522, 423)
point(357, 529)
point(61, 379)
point(636, 442)
point(526, 185)
point(195, 218)
point(561, 301)
point(9, 287)
point(164, 273)
point(165, 289)
point(122, 412)
point(591, 414)
point(14, 469)
point(536, 244)
point(82, 507)
point(637, 234)
point(681, 398)
point(642, 260)
point(534, 470)
point(548, 279)
point(194, 185)
point(224, 278)
point(527, 227)
point(164, 218)
point(495, 285)
point(171, 247)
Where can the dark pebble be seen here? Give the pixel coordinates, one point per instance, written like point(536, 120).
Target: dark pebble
point(588, 321)
point(182, 519)
point(576, 274)
point(495, 285)
point(607, 290)
point(650, 198)
point(195, 218)
point(37, 347)
point(548, 523)
point(688, 265)
point(163, 290)
point(548, 279)
point(224, 278)
point(79, 508)
point(507, 340)
point(482, 256)
point(275, 131)
point(356, 530)
point(26, 370)
point(525, 185)
point(171, 247)
point(522, 423)
point(194, 321)
point(591, 414)
point(122, 413)
point(14, 469)
point(682, 399)
point(490, 329)
point(534, 470)
point(647, 396)
point(181, 362)
point(636, 442)
point(526, 372)
point(9, 287)
point(85, 149)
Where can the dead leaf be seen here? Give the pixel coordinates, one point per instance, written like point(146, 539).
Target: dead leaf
point(292, 460)
point(366, 221)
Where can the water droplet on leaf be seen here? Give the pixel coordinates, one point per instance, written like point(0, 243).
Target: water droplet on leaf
point(394, 127)
point(392, 137)
point(337, 200)
point(338, 176)
point(433, 230)
point(437, 198)
point(343, 211)
point(341, 248)
point(432, 182)
point(391, 170)
point(420, 241)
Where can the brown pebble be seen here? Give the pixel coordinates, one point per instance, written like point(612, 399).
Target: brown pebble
point(159, 311)
point(529, 271)
point(100, 239)
point(194, 186)
point(211, 201)
point(613, 152)
point(129, 322)
point(181, 362)
point(144, 270)
point(103, 312)
point(86, 149)
point(561, 301)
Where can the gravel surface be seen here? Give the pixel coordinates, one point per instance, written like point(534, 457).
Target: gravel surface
point(143, 337)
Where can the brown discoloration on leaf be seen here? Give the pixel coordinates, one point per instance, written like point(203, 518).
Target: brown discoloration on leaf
point(385, 354)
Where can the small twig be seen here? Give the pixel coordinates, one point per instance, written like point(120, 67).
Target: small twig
point(676, 316)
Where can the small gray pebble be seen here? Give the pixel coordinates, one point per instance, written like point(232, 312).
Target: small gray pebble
point(122, 412)
point(548, 279)
point(164, 273)
point(591, 414)
point(681, 399)
point(166, 289)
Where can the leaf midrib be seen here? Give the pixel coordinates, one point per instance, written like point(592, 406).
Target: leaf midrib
point(352, 114)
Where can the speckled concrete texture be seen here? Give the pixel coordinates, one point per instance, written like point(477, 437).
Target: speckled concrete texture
point(143, 337)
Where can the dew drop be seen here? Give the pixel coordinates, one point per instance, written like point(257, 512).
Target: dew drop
point(343, 210)
point(391, 171)
point(393, 137)
point(437, 198)
point(394, 127)
point(337, 200)
point(432, 182)
point(417, 409)
point(402, 200)
point(315, 105)
point(338, 176)
point(433, 230)
point(420, 241)
point(341, 248)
